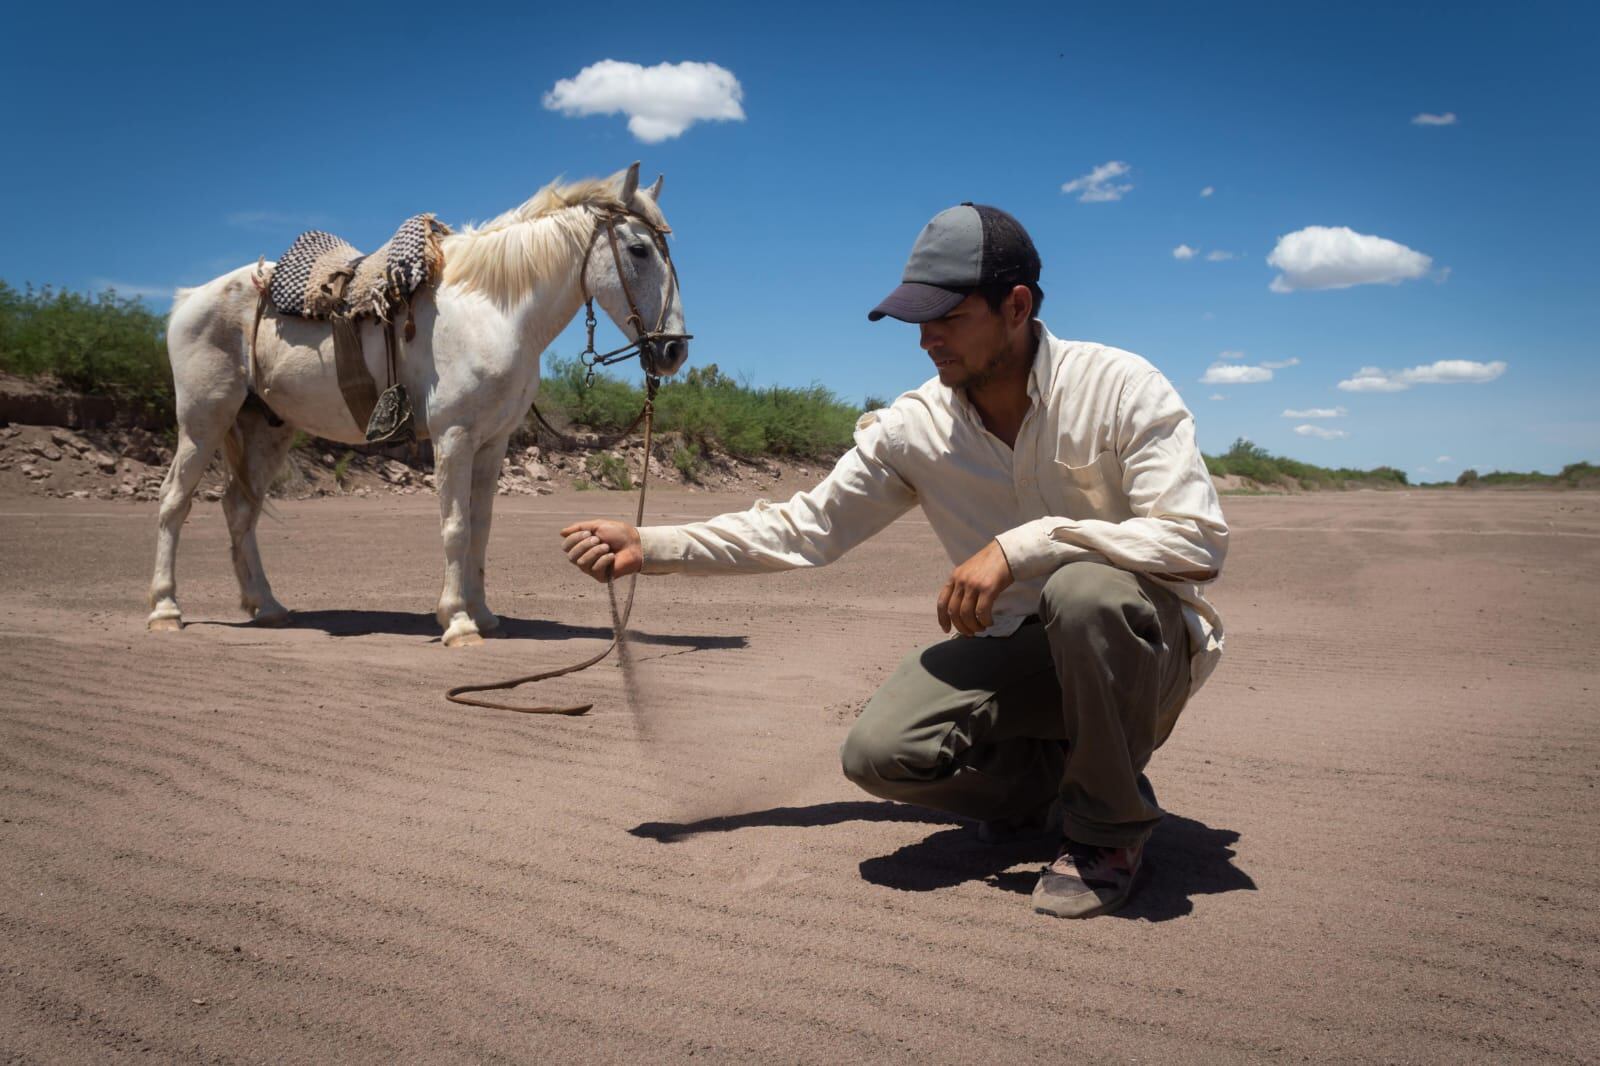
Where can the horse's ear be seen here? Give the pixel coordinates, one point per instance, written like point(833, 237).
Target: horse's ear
point(654, 192)
point(630, 184)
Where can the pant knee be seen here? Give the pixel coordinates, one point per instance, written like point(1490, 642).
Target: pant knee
point(1084, 598)
point(865, 754)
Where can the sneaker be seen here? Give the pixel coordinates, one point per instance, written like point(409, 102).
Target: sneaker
point(1043, 824)
point(1086, 880)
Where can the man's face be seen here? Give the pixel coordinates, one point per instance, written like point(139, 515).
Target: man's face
point(967, 345)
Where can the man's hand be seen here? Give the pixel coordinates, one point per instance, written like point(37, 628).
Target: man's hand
point(603, 548)
point(967, 599)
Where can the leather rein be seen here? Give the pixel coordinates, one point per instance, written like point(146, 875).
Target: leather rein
point(644, 342)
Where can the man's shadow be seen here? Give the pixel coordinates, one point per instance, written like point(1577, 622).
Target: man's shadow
point(357, 623)
point(1183, 859)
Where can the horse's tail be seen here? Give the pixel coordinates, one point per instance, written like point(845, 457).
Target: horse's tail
point(238, 457)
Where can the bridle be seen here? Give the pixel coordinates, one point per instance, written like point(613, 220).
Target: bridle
point(645, 341)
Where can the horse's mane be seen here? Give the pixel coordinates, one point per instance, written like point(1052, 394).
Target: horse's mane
point(506, 257)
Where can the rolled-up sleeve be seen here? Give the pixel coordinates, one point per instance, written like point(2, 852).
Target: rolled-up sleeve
point(1176, 530)
point(859, 497)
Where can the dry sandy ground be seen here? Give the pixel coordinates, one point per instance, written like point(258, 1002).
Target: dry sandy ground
point(234, 844)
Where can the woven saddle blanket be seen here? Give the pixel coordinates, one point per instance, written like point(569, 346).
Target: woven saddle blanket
point(321, 275)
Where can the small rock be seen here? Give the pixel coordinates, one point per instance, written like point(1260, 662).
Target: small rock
point(105, 462)
point(327, 460)
point(45, 451)
point(209, 494)
point(34, 472)
point(9, 431)
point(80, 494)
point(535, 471)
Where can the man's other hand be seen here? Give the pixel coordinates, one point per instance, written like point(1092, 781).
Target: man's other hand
point(603, 548)
point(967, 599)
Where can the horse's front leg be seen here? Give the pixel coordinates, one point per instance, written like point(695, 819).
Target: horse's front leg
point(452, 463)
point(485, 481)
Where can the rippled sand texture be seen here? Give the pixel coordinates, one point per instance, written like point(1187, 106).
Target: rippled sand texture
point(235, 844)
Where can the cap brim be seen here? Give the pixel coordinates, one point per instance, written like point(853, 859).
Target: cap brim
point(915, 302)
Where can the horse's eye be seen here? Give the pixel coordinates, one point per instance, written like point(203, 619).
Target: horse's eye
point(639, 251)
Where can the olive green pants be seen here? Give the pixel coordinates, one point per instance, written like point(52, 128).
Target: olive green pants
point(1069, 706)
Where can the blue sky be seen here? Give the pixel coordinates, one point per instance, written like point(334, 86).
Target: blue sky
point(149, 151)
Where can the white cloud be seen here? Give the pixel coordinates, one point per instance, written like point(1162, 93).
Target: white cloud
point(1234, 374)
point(270, 221)
point(1230, 357)
point(1183, 251)
point(1425, 119)
point(1218, 396)
point(1337, 257)
point(1096, 186)
point(1208, 190)
point(1443, 372)
point(143, 292)
point(1371, 379)
point(1316, 412)
point(1320, 432)
point(1280, 364)
point(1453, 372)
point(1443, 459)
point(660, 101)
point(1219, 256)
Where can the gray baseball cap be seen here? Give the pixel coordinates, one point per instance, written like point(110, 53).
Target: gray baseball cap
point(962, 248)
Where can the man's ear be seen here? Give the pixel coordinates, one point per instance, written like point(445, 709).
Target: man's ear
point(1019, 304)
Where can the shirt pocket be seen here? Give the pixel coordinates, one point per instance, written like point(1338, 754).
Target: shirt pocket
point(1093, 490)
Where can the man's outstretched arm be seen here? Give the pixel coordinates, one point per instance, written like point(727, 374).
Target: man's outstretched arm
point(861, 496)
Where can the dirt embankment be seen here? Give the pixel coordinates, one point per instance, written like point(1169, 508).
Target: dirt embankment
point(123, 462)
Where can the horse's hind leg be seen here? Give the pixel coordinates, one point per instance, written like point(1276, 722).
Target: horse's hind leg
point(260, 450)
point(201, 427)
point(486, 466)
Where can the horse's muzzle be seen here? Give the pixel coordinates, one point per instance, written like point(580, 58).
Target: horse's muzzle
point(667, 356)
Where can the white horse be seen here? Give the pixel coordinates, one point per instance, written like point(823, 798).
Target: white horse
point(508, 288)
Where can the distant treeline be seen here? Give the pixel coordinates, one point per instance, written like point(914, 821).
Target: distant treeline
point(108, 344)
point(1572, 476)
point(1249, 460)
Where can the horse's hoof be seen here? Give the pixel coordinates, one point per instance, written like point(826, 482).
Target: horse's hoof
point(488, 623)
point(463, 633)
point(273, 619)
point(164, 625)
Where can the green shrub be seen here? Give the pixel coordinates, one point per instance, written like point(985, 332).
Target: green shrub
point(708, 410)
point(609, 470)
point(106, 345)
point(686, 457)
point(341, 469)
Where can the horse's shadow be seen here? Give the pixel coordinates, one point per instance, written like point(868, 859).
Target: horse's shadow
point(1184, 858)
point(356, 623)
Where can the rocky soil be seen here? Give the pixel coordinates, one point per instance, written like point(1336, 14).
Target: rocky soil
point(130, 463)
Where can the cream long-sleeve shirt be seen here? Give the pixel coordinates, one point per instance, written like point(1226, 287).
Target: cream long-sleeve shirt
point(1105, 467)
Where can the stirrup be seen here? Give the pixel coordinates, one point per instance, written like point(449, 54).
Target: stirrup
point(391, 421)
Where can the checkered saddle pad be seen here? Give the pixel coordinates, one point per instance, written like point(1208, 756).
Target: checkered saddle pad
point(321, 275)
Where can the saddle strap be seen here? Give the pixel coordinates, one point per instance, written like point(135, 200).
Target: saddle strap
point(360, 392)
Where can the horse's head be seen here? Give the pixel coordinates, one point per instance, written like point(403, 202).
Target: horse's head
point(630, 273)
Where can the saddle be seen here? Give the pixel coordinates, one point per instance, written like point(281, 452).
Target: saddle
point(323, 278)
